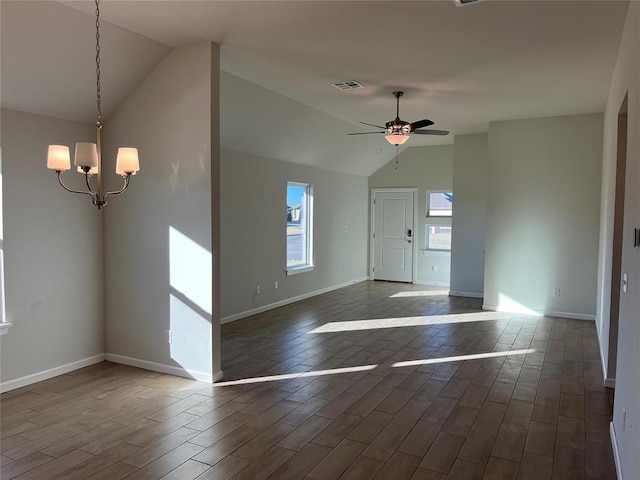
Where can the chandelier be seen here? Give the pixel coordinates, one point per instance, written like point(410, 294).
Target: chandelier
point(88, 156)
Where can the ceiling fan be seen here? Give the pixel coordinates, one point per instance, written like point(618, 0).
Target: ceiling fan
point(398, 131)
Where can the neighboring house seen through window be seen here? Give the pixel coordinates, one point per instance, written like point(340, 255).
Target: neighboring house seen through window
point(439, 204)
point(299, 227)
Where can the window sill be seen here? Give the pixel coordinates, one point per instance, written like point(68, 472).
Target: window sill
point(295, 271)
point(437, 253)
point(4, 328)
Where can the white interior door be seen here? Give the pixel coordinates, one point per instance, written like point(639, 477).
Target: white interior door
point(393, 235)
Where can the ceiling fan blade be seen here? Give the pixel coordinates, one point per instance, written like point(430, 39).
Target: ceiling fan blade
point(364, 133)
point(372, 125)
point(431, 132)
point(421, 124)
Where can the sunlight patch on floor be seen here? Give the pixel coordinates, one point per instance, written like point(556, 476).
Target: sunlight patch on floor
point(292, 376)
point(364, 368)
point(355, 325)
point(421, 293)
point(475, 356)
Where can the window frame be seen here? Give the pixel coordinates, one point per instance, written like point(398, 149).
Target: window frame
point(428, 248)
point(429, 192)
point(308, 227)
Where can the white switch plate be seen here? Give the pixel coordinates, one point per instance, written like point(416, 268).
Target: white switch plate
point(625, 282)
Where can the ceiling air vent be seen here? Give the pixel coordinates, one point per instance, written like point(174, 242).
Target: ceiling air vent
point(462, 3)
point(348, 85)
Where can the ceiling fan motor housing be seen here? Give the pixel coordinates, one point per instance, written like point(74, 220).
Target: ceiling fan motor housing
point(398, 127)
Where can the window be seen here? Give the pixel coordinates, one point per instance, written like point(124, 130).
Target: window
point(439, 204)
point(438, 237)
point(299, 227)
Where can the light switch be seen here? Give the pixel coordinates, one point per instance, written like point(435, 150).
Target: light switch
point(625, 282)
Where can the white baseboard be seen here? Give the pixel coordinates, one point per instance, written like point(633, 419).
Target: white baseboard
point(433, 284)
point(608, 382)
point(50, 373)
point(287, 301)
point(546, 313)
point(466, 294)
point(616, 453)
point(161, 367)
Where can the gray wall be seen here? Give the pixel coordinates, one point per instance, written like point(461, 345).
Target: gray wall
point(626, 78)
point(543, 214)
point(53, 252)
point(425, 168)
point(160, 267)
point(253, 227)
point(470, 177)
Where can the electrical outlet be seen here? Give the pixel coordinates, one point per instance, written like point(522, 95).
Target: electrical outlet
point(275, 284)
point(167, 336)
point(258, 290)
point(556, 292)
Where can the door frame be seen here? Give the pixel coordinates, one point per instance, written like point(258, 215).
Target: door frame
point(414, 191)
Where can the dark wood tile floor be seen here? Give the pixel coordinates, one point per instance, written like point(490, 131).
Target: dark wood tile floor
point(374, 381)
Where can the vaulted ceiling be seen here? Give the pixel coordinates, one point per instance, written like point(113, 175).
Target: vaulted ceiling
point(460, 67)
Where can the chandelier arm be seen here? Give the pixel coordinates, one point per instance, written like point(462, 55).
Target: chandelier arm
point(118, 192)
point(86, 177)
point(90, 192)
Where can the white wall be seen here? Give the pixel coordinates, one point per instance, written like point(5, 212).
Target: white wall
point(53, 254)
point(160, 265)
point(626, 78)
point(470, 177)
point(543, 214)
point(253, 226)
point(425, 168)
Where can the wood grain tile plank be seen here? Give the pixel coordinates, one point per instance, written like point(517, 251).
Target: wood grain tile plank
point(363, 467)
point(400, 466)
point(189, 470)
point(18, 467)
point(301, 463)
point(266, 464)
point(166, 463)
point(369, 428)
point(443, 452)
point(541, 438)
point(302, 435)
point(501, 469)
point(55, 467)
point(420, 438)
point(535, 467)
point(387, 441)
point(337, 460)
point(225, 469)
point(509, 443)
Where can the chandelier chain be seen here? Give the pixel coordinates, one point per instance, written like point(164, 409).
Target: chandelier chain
point(98, 99)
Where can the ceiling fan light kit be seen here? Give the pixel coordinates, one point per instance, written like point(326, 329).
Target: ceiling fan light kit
point(398, 131)
point(397, 138)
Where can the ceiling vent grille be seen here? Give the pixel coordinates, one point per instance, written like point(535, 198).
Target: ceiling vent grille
point(462, 3)
point(348, 85)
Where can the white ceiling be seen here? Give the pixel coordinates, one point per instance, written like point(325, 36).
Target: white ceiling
point(460, 67)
